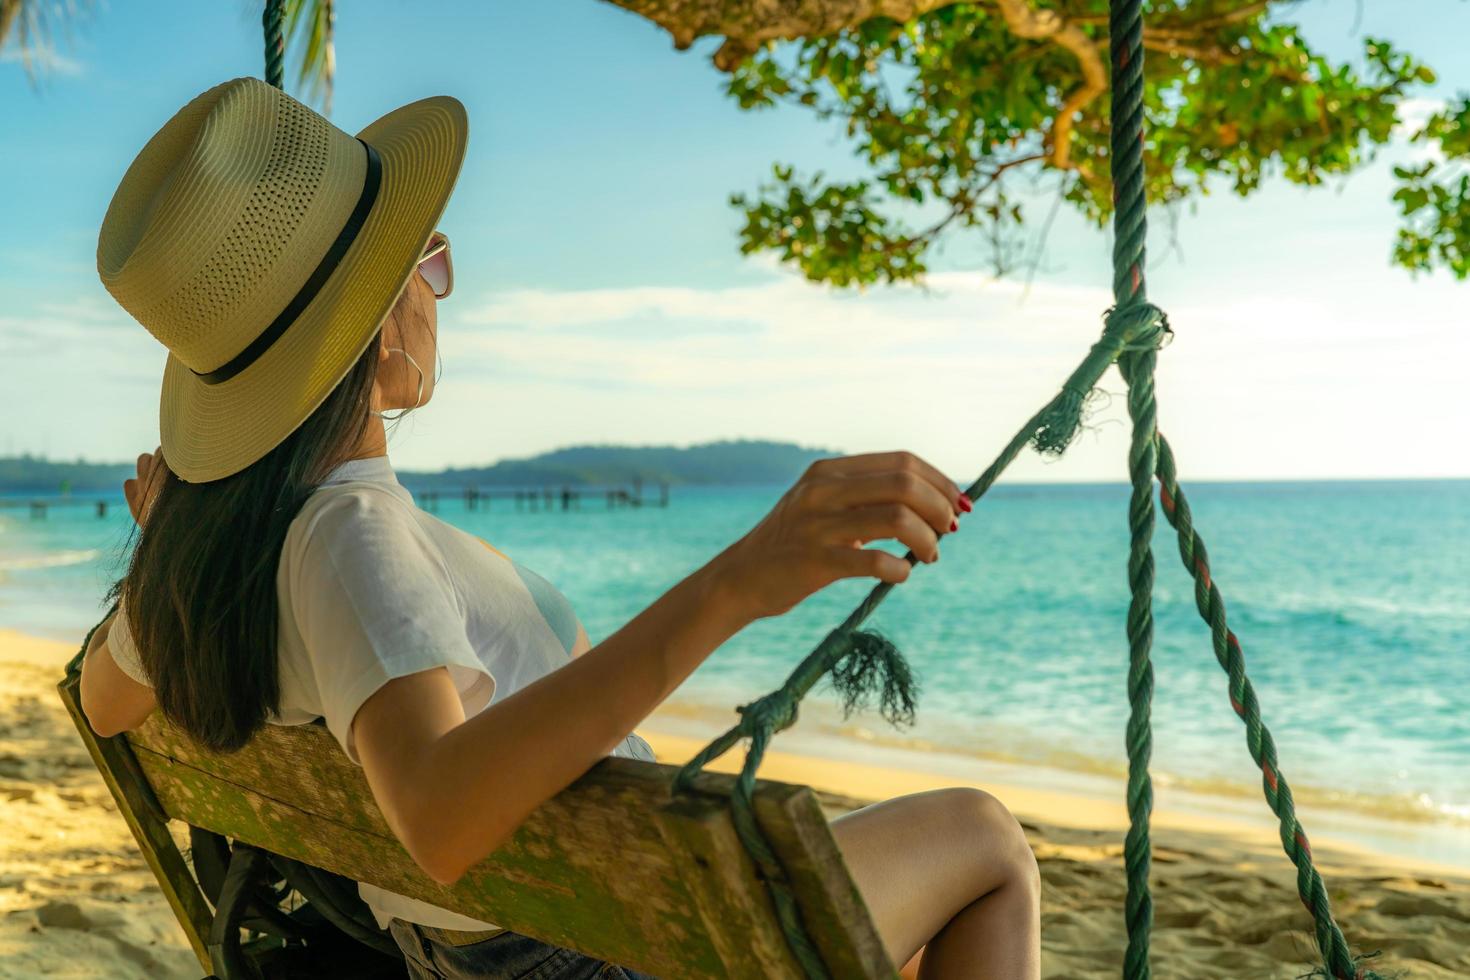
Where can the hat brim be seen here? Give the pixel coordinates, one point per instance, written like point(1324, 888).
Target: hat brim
point(212, 431)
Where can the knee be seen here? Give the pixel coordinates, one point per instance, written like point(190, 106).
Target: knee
point(997, 834)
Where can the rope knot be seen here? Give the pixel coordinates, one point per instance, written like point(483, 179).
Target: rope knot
point(775, 712)
point(1130, 327)
point(1136, 326)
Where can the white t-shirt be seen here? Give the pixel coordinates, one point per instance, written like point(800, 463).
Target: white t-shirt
point(372, 588)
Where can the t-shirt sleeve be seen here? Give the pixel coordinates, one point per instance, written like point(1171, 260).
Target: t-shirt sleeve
point(373, 601)
point(124, 651)
point(583, 642)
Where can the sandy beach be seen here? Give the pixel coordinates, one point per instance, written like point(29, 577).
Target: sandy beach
point(78, 901)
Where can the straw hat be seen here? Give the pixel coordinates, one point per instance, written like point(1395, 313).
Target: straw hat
point(263, 246)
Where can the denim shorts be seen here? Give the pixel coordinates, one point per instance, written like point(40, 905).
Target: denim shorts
point(507, 956)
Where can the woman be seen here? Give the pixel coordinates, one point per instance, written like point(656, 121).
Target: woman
point(282, 574)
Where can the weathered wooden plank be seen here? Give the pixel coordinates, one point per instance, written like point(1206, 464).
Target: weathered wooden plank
point(614, 866)
point(295, 761)
point(737, 916)
point(616, 902)
point(833, 909)
point(175, 879)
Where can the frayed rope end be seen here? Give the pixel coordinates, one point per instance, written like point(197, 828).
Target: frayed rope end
point(875, 669)
point(1134, 327)
point(1060, 423)
point(1063, 420)
point(1361, 972)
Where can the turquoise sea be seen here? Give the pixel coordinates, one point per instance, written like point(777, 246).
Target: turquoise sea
point(1351, 600)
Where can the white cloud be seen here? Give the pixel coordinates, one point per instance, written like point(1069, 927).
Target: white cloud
point(1414, 113)
point(45, 59)
point(1325, 371)
point(780, 331)
point(1277, 381)
point(81, 378)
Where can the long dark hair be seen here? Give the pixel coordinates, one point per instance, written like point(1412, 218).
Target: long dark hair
point(200, 587)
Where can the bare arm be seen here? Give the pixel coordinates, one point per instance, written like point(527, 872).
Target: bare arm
point(428, 767)
point(112, 701)
point(454, 790)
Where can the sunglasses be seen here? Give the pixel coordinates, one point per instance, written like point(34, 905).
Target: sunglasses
point(435, 265)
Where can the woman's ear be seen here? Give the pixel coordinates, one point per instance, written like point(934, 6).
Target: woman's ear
point(376, 396)
point(383, 343)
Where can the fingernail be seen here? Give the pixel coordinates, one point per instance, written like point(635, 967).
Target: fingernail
point(954, 525)
point(965, 505)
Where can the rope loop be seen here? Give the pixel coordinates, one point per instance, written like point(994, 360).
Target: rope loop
point(771, 713)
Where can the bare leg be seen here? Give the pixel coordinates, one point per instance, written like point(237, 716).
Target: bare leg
point(948, 871)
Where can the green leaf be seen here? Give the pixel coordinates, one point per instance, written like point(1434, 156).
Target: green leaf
point(938, 112)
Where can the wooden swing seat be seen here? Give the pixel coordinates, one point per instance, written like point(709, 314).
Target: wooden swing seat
point(615, 866)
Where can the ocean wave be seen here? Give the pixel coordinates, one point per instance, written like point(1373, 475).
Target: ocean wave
point(55, 559)
point(1344, 606)
point(1411, 807)
point(1408, 807)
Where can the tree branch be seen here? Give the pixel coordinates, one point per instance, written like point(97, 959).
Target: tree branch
point(1026, 21)
point(965, 201)
point(1212, 56)
point(1192, 30)
point(748, 24)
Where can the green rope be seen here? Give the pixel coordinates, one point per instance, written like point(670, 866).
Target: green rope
point(864, 664)
point(1130, 231)
point(1149, 454)
point(869, 662)
point(1338, 959)
point(272, 20)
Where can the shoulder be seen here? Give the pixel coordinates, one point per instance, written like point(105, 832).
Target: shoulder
point(357, 520)
point(347, 502)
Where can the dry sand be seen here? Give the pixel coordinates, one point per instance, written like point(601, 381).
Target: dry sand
point(76, 900)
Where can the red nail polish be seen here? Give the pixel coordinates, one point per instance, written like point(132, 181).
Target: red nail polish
point(965, 504)
point(954, 525)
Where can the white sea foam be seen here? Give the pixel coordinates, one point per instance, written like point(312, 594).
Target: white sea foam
point(55, 559)
point(1300, 602)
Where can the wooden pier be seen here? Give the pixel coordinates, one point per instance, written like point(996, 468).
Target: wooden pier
point(545, 497)
point(40, 506)
point(528, 498)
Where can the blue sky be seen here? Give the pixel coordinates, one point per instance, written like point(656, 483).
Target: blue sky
point(600, 295)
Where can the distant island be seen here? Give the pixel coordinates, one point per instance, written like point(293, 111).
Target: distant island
point(727, 462)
